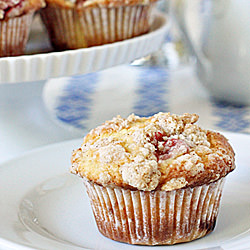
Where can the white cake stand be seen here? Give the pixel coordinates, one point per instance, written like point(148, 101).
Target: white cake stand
point(41, 63)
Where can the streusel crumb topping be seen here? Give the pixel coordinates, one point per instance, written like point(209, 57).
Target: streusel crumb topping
point(165, 151)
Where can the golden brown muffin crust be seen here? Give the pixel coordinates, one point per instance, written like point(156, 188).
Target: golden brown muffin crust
point(164, 152)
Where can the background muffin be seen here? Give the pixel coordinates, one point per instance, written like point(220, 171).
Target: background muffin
point(79, 23)
point(155, 180)
point(15, 21)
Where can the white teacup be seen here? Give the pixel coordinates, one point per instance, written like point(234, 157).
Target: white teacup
point(218, 33)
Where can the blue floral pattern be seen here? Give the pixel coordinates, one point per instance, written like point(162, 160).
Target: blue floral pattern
point(151, 92)
point(231, 117)
point(74, 107)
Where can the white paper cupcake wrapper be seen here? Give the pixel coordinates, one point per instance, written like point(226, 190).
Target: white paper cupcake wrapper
point(157, 217)
point(72, 29)
point(14, 34)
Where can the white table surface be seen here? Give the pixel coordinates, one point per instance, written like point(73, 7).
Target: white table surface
point(25, 123)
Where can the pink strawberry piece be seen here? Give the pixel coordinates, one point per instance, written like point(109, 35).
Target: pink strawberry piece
point(8, 4)
point(169, 148)
point(172, 148)
point(10, 7)
point(158, 136)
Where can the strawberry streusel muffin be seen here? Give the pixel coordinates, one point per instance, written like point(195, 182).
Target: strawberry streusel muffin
point(15, 22)
point(154, 180)
point(74, 24)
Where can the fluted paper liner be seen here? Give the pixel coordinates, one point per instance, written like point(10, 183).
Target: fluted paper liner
point(73, 29)
point(156, 217)
point(14, 34)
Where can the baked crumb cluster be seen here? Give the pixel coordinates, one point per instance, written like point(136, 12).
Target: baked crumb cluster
point(164, 152)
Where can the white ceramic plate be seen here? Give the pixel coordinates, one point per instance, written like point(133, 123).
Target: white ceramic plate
point(41, 63)
point(42, 206)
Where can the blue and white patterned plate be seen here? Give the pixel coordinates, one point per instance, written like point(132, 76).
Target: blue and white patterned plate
point(83, 102)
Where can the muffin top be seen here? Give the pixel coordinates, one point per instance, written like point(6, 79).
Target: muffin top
point(79, 4)
point(163, 152)
point(15, 8)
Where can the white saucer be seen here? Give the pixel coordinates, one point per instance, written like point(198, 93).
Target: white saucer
point(42, 206)
point(41, 63)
